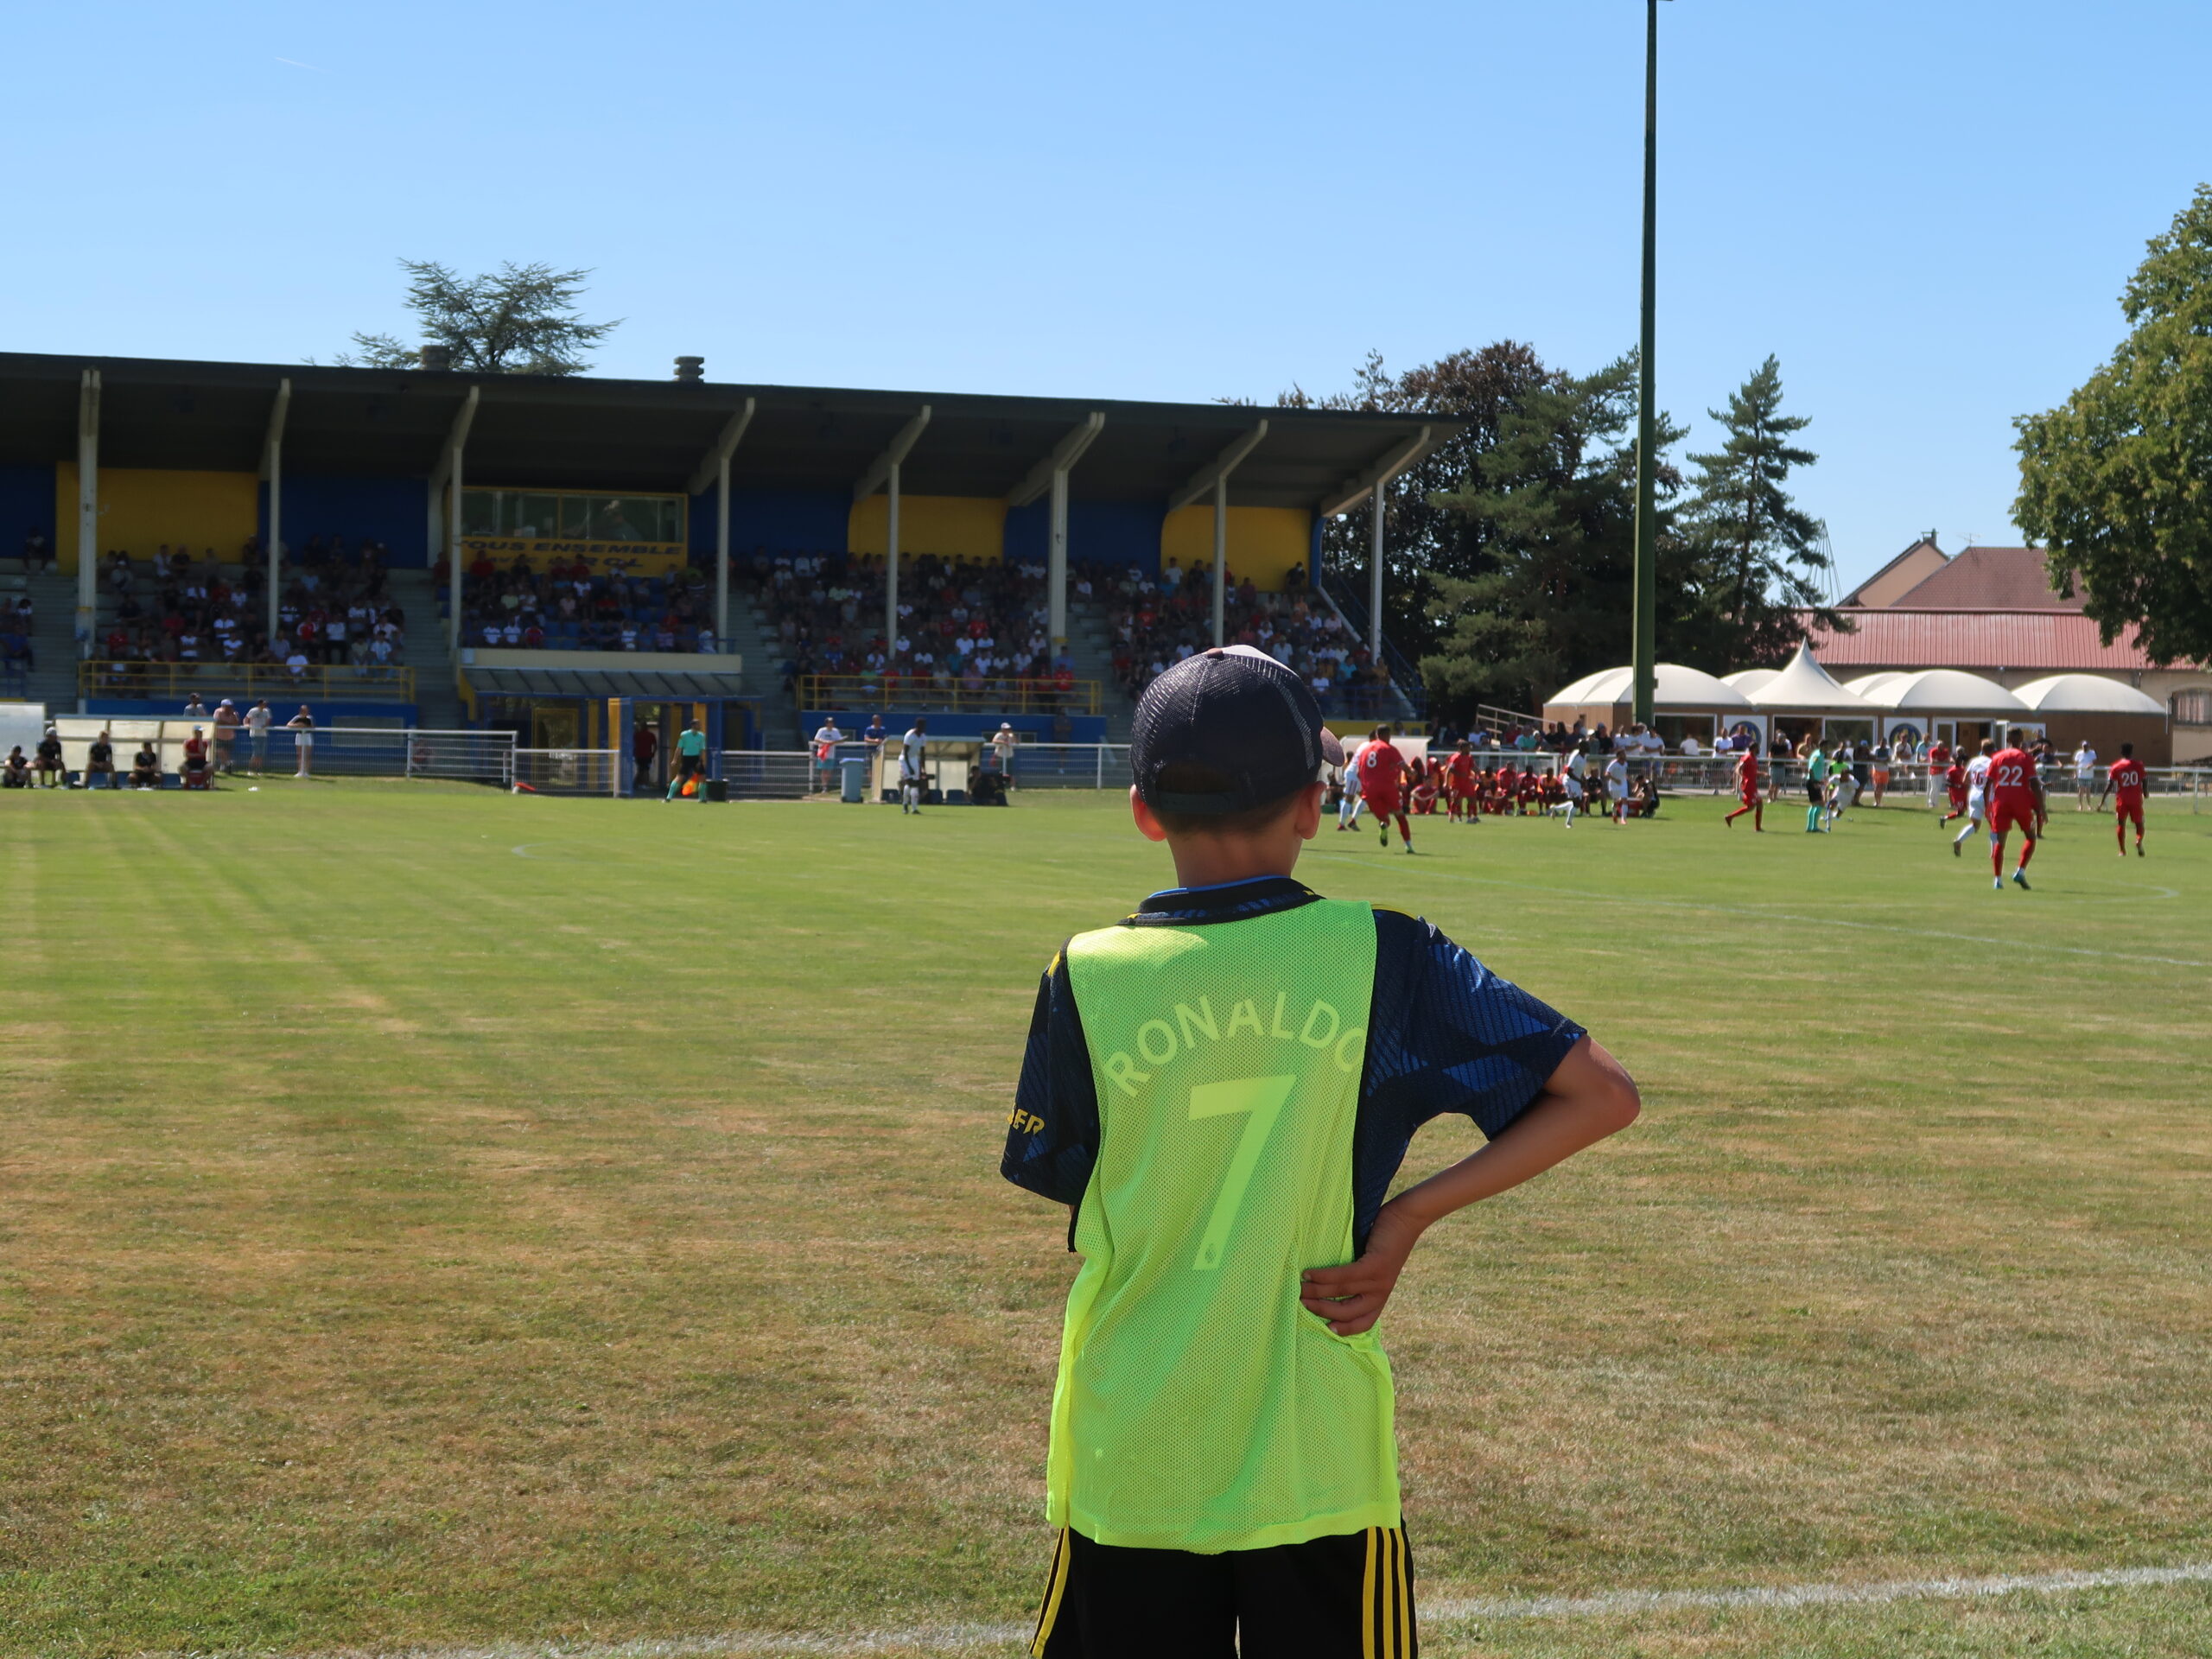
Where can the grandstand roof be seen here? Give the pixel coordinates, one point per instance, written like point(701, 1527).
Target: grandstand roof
point(583, 432)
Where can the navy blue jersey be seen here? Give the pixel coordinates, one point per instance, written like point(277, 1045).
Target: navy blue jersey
point(1444, 1034)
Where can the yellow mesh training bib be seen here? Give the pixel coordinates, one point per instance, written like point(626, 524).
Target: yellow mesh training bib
point(1199, 1405)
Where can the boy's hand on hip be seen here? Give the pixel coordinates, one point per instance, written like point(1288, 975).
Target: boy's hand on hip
point(1352, 1297)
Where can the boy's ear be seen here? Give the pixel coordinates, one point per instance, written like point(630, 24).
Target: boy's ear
point(1148, 826)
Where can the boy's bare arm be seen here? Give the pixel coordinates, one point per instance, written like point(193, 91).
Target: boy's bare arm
point(1588, 1098)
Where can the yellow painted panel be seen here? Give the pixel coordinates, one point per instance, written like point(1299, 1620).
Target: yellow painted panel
point(142, 508)
point(957, 526)
point(1264, 542)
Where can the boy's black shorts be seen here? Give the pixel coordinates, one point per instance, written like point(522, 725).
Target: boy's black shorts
point(1345, 1597)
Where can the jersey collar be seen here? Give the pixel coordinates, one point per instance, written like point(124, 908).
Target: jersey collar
point(1229, 901)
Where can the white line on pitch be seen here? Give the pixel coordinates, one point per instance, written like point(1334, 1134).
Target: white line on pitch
point(961, 1638)
point(1816, 1595)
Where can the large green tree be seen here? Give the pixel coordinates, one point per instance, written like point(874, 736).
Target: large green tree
point(1752, 558)
point(516, 320)
point(2116, 482)
point(1478, 387)
point(1552, 589)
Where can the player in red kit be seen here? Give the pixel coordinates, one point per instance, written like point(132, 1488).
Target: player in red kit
point(2015, 801)
point(1955, 788)
point(1382, 783)
point(1459, 782)
point(1747, 790)
point(2124, 782)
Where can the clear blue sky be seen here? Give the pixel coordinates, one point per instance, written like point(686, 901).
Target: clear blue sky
point(1926, 209)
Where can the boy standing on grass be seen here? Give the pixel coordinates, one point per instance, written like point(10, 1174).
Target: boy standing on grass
point(1221, 1087)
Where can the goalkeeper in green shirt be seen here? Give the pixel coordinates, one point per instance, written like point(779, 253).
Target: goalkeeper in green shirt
point(1221, 1087)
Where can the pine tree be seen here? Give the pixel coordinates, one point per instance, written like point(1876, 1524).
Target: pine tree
point(517, 319)
point(1754, 558)
point(1553, 595)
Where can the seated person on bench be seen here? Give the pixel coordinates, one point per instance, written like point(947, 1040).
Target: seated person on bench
point(146, 767)
point(195, 759)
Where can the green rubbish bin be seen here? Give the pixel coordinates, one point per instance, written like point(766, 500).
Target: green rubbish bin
point(852, 774)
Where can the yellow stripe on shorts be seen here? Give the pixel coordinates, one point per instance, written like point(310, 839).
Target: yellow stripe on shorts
point(1056, 1583)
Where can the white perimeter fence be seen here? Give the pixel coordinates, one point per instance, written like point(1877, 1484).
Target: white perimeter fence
point(338, 751)
point(792, 774)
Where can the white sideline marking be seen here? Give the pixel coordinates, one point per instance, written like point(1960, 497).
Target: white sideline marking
point(1774, 915)
point(957, 1639)
point(1816, 1595)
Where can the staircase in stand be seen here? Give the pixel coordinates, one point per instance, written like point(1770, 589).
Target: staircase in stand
point(758, 650)
point(437, 700)
point(53, 642)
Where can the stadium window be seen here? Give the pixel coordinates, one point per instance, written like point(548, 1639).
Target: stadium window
point(2193, 706)
point(572, 516)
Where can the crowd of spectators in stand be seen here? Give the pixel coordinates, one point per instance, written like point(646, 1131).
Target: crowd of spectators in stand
point(973, 627)
point(568, 607)
point(332, 610)
point(1157, 621)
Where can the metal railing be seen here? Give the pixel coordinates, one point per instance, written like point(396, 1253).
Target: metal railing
point(1070, 766)
point(772, 774)
point(154, 682)
point(993, 697)
point(1405, 674)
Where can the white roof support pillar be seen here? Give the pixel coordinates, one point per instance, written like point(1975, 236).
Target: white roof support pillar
point(714, 470)
point(88, 507)
point(1052, 473)
point(1218, 468)
point(272, 472)
point(882, 474)
point(1214, 476)
point(1370, 483)
point(445, 526)
point(1386, 466)
point(1375, 578)
point(1220, 556)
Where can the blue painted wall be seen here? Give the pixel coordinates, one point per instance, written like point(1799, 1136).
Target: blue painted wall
point(26, 504)
point(393, 511)
point(782, 521)
point(1120, 533)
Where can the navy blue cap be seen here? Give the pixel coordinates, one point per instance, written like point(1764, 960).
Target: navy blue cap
point(1238, 713)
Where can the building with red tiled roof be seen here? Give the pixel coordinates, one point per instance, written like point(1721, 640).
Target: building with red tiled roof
point(1992, 610)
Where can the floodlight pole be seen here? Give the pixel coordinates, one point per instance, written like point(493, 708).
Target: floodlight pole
point(1645, 651)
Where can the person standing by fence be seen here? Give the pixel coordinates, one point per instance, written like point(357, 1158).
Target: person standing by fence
point(227, 734)
point(302, 729)
point(257, 721)
point(2085, 774)
point(913, 767)
point(644, 748)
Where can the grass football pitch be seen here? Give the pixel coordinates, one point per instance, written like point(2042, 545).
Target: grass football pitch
point(432, 1218)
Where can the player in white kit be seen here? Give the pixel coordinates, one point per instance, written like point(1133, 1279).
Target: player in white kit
point(1977, 794)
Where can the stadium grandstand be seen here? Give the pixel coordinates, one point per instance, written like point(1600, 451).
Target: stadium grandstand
point(561, 557)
